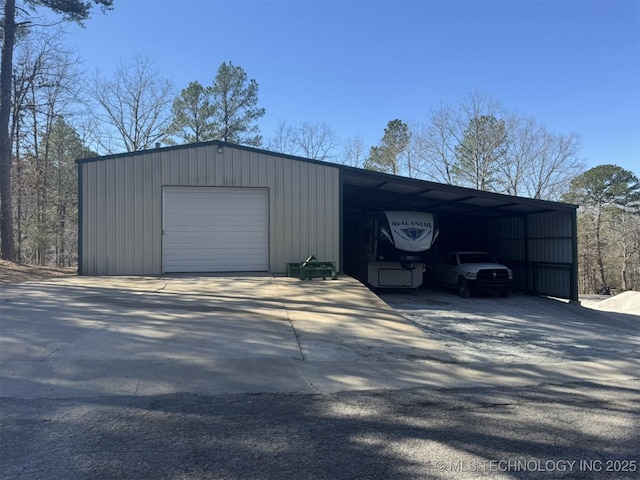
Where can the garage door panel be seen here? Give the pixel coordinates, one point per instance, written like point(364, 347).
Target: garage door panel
point(208, 239)
point(192, 245)
point(215, 229)
point(198, 255)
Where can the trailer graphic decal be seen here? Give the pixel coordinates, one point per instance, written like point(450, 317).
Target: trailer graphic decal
point(412, 231)
point(413, 234)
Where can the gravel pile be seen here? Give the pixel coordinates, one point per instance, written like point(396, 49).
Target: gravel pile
point(625, 302)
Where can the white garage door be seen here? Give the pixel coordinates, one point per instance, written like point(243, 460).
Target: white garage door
point(215, 229)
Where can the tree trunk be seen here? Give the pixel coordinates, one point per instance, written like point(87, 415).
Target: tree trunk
point(19, 199)
point(62, 213)
point(599, 258)
point(7, 248)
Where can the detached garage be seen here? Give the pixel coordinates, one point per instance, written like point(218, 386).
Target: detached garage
point(219, 207)
point(210, 207)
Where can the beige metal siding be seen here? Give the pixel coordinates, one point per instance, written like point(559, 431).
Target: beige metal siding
point(122, 204)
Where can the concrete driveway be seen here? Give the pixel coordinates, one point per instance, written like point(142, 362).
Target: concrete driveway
point(83, 337)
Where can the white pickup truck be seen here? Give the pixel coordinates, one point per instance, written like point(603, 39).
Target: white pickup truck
point(472, 272)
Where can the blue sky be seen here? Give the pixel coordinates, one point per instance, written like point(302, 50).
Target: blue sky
point(573, 65)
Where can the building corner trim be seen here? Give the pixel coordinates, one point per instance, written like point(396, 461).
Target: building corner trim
point(80, 220)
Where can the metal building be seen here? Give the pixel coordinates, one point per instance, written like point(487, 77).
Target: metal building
point(204, 207)
point(215, 206)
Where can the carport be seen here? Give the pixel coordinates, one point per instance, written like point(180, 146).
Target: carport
point(537, 239)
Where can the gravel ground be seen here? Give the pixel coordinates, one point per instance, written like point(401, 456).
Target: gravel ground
point(520, 329)
point(625, 302)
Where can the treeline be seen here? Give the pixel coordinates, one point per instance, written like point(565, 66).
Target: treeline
point(59, 113)
point(608, 229)
point(46, 89)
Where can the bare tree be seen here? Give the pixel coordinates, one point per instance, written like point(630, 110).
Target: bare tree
point(317, 141)
point(135, 104)
point(526, 140)
point(354, 152)
point(281, 140)
point(588, 268)
point(613, 254)
point(30, 57)
point(478, 143)
point(71, 10)
point(460, 144)
point(45, 86)
point(538, 163)
point(624, 237)
point(435, 146)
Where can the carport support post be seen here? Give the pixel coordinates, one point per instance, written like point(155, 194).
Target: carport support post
point(574, 264)
point(340, 220)
point(525, 228)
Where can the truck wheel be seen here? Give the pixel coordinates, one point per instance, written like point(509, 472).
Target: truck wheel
point(463, 288)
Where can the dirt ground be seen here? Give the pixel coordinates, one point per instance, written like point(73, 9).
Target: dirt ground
point(16, 273)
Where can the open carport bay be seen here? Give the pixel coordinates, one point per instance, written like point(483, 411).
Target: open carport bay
point(536, 239)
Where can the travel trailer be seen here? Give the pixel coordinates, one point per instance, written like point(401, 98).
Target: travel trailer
point(391, 248)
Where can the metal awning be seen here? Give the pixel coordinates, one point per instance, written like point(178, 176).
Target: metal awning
point(367, 191)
